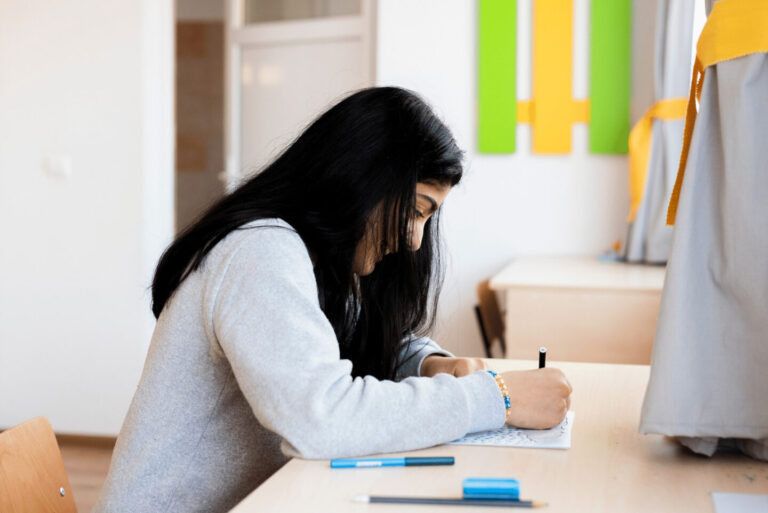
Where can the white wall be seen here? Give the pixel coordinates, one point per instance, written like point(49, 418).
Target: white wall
point(91, 81)
point(507, 205)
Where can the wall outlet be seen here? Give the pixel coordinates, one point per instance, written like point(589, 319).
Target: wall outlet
point(58, 166)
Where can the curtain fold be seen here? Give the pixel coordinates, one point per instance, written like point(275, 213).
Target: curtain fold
point(709, 370)
point(654, 162)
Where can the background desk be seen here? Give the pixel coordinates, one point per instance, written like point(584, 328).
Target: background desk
point(609, 468)
point(581, 309)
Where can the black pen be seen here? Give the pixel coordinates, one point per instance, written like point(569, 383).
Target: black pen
point(542, 357)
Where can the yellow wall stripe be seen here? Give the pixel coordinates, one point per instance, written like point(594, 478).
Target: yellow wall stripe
point(579, 111)
point(525, 112)
point(552, 75)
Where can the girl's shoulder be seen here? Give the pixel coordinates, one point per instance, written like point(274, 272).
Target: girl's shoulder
point(266, 242)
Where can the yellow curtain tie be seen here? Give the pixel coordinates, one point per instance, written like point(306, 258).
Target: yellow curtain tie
point(735, 28)
point(640, 147)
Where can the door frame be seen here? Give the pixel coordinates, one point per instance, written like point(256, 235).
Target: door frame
point(238, 34)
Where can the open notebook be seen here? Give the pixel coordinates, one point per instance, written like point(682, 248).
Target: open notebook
point(559, 437)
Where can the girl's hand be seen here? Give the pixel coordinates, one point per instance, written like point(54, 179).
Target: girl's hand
point(435, 364)
point(540, 398)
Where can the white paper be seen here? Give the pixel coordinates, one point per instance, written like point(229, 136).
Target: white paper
point(559, 437)
point(739, 502)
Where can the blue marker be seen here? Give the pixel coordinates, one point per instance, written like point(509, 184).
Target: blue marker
point(392, 462)
point(490, 488)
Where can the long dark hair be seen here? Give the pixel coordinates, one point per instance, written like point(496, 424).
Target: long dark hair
point(368, 151)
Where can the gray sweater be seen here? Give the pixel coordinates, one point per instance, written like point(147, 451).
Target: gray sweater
point(244, 371)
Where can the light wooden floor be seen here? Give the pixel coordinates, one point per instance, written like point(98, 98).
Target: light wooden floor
point(87, 463)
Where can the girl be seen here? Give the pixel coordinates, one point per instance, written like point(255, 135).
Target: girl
point(291, 320)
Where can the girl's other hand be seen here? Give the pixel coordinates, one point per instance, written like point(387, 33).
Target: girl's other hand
point(435, 364)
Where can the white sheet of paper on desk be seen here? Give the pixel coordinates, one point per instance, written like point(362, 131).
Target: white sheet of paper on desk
point(739, 502)
point(559, 437)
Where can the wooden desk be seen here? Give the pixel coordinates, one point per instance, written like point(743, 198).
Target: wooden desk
point(609, 468)
point(580, 309)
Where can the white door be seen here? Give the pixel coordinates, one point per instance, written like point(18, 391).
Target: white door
point(287, 62)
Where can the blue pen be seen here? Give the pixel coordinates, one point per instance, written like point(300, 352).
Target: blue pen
point(392, 462)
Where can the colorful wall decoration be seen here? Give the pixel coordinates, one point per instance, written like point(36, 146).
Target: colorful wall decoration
point(552, 109)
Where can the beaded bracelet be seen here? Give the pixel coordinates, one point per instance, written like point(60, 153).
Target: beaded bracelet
point(504, 392)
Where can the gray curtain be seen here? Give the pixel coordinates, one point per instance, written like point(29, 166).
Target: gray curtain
point(649, 238)
point(709, 371)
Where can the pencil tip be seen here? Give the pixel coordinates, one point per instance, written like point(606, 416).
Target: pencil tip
point(539, 504)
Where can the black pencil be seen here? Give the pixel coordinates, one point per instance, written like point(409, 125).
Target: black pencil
point(542, 357)
point(451, 502)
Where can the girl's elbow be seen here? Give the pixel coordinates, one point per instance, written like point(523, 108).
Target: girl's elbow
point(308, 448)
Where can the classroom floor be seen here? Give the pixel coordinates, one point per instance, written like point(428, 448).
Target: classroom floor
point(87, 464)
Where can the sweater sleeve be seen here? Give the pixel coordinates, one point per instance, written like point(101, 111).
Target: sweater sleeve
point(413, 353)
point(267, 321)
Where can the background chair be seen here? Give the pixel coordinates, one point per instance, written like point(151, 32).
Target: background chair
point(32, 475)
point(489, 319)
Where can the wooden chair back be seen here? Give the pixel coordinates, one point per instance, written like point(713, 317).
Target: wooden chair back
point(489, 319)
point(32, 475)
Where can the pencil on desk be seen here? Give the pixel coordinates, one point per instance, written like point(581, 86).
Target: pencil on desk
point(451, 502)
